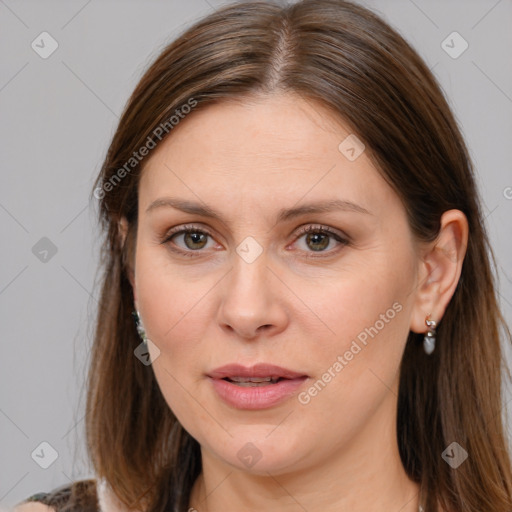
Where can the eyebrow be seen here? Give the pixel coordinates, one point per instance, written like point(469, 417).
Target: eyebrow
point(283, 214)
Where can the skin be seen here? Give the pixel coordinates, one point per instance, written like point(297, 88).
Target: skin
point(248, 160)
point(34, 507)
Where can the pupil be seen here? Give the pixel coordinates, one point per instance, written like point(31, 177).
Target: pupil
point(316, 239)
point(195, 238)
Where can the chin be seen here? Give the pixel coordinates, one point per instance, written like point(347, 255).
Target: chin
point(259, 454)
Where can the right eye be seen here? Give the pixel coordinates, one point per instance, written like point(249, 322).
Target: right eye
point(186, 240)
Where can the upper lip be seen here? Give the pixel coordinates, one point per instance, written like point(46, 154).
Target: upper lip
point(260, 370)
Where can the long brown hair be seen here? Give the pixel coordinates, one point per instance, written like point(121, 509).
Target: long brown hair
point(346, 58)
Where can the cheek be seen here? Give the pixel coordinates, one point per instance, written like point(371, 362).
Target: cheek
point(175, 310)
point(364, 302)
point(172, 302)
point(356, 369)
point(358, 365)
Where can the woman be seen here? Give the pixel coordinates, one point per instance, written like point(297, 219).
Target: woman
point(292, 220)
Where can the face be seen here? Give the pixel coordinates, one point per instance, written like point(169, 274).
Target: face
point(273, 278)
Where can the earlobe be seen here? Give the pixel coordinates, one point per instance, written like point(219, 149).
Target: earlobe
point(122, 230)
point(440, 270)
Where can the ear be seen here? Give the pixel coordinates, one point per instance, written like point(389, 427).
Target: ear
point(439, 270)
point(122, 229)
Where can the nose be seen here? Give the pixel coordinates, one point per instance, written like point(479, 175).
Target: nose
point(252, 301)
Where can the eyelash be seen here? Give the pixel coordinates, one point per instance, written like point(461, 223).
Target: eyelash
point(318, 229)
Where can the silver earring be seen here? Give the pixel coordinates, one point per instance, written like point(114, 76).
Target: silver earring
point(140, 326)
point(429, 340)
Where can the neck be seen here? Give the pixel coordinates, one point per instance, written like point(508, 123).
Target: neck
point(365, 474)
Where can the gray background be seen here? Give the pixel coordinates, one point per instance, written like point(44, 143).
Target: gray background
point(57, 117)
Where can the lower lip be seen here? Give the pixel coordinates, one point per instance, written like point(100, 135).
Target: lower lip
point(256, 397)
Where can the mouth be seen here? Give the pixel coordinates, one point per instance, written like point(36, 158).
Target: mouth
point(257, 387)
point(261, 373)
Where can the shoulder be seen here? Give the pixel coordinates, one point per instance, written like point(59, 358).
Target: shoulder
point(33, 506)
point(79, 496)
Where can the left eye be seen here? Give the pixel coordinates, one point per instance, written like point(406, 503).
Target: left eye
point(319, 239)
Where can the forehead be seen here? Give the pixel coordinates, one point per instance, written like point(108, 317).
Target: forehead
point(283, 126)
point(264, 149)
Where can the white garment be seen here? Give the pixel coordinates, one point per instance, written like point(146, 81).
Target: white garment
point(108, 501)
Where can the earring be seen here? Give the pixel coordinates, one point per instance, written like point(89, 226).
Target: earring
point(140, 326)
point(429, 340)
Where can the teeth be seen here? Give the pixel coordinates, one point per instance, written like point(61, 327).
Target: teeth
point(253, 380)
point(252, 384)
point(250, 379)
